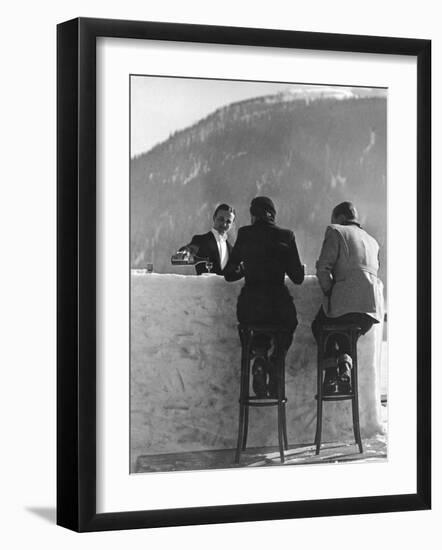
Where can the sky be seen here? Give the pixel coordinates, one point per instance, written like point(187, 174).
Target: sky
point(162, 105)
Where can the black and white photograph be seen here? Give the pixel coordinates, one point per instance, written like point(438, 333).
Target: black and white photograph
point(258, 274)
point(219, 234)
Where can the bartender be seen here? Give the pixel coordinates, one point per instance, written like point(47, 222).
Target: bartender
point(211, 250)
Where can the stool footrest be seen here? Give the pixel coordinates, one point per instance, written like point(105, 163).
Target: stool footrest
point(341, 397)
point(268, 402)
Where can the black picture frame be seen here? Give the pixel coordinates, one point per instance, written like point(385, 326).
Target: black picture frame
point(77, 287)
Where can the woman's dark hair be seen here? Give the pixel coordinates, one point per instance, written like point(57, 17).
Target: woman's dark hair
point(263, 209)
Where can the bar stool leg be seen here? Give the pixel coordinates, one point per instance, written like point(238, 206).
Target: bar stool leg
point(246, 428)
point(319, 398)
point(243, 395)
point(246, 389)
point(318, 426)
point(282, 435)
point(355, 401)
point(280, 432)
point(355, 406)
point(240, 433)
point(284, 427)
point(284, 416)
point(356, 427)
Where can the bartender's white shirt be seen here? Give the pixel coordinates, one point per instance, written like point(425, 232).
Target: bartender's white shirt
point(222, 247)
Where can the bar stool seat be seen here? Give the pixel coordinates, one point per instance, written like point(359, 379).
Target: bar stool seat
point(277, 334)
point(352, 333)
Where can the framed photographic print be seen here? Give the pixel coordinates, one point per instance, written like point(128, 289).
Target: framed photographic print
point(243, 274)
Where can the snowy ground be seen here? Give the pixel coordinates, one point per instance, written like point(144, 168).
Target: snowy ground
point(337, 452)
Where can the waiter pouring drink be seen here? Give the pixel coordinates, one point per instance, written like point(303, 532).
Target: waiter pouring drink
point(209, 252)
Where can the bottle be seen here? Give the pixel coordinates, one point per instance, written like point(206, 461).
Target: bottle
point(182, 257)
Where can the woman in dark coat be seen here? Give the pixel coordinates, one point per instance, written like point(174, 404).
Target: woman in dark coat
point(263, 254)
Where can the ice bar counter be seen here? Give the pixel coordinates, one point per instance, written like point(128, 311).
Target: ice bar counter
point(185, 366)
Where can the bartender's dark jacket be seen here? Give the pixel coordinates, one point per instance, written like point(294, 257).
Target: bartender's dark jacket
point(207, 249)
point(263, 254)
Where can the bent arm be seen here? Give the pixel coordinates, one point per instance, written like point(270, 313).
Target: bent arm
point(192, 247)
point(327, 260)
point(295, 270)
point(234, 270)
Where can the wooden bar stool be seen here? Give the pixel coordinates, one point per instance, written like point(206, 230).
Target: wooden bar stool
point(277, 334)
point(351, 332)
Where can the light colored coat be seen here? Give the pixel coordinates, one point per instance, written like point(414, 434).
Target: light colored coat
point(347, 271)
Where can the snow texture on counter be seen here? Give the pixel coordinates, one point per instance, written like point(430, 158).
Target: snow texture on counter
point(185, 366)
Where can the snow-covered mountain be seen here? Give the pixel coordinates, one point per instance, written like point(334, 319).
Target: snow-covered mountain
point(308, 150)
